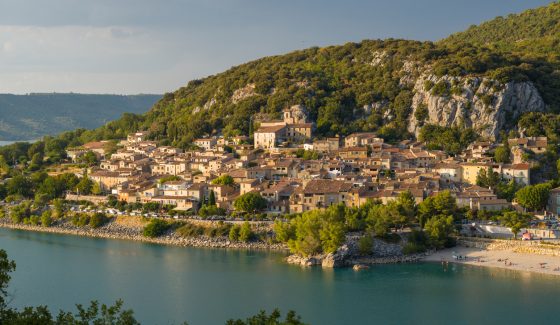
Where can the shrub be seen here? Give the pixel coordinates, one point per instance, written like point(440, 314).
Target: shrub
point(34, 220)
point(421, 114)
point(221, 230)
point(234, 233)
point(487, 99)
point(211, 210)
point(457, 90)
point(245, 232)
point(417, 242)
point(80, 220)
point(155, 228)
point(428, 85)
point(441, 89)
point(365, 245)
point(97, 220)
point(413, 248)
point(190, 230)
point(223, 180)
point(46, 219)
point(250, 202)
point(20, 212)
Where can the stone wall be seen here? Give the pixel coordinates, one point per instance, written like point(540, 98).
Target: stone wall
point(551, 248)
point(97, 199)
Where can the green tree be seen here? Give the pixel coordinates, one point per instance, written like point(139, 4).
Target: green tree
point(245, 232)
point(283, 231)
point(234, 233)
point(6, 267)
point(406, 204)
point(332, 235)
point(488, 178)
point(501, 154)
point(155, 228)
point(96, 189)
point(307, 241)
point(46, 219)
point(515, 221)
point(507, 190)
point(273, 319)
point(20, 185)
point(250, 202)
point(169, 178)
point(20, 212)
point(379, 219)
point(441, 203)
point(36, 162)
point(211, 198)
point(534, 197)
point(365, 245)
point(97, 220)
point(438, 229)
point(223, 180)
point(85, 186)
point(89, 158)
point(58, 208)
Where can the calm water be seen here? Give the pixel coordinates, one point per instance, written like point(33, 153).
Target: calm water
point(167, 285)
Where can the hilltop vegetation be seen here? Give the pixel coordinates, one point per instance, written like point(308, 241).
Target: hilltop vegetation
point(535, 32)
point(27, 117)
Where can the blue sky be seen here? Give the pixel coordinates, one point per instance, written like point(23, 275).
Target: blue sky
point(156, 46)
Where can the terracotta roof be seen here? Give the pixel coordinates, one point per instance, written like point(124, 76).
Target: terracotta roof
point(320, 186)
point(270, 129)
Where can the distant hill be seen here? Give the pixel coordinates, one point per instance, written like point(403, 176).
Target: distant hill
point(28, 117)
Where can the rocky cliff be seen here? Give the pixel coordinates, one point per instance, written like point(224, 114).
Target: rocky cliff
point(485, 105)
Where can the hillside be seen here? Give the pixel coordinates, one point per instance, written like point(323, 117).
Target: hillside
point(26, 117)
point(393, 87)
point(535, 31)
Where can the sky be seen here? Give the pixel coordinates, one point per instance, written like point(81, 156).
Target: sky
point(157, 46)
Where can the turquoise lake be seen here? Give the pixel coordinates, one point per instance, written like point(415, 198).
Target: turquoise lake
point(168, 285)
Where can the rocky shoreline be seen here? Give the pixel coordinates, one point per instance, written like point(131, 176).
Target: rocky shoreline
point(348, 255)
point(344, 257)
point(114, 231)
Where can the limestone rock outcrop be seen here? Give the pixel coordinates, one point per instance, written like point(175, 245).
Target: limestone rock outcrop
point(483, 104)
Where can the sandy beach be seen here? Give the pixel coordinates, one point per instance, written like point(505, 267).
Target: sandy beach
point(506, 259)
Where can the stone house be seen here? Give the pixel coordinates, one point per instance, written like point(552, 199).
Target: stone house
point(320, 193)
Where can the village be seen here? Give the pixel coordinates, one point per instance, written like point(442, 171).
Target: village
point(295, 172)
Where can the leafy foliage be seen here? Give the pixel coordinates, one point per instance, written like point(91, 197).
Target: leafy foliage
point(314, 232)
point(223, 180)
point(155, 228)
point(453, 140)
point(533, 197)
point(440, 204)
point(438, 229)
point(273, 319)
point(250, 202)
point(515, 221)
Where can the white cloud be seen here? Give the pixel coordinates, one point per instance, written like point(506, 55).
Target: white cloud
point(81, 58)
point(7, 47)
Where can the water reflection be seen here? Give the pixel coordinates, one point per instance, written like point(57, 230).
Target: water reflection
point(206, 286)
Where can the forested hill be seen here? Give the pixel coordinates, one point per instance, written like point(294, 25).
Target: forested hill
point(28, 117)
point(397, 88)
point(535, 31)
